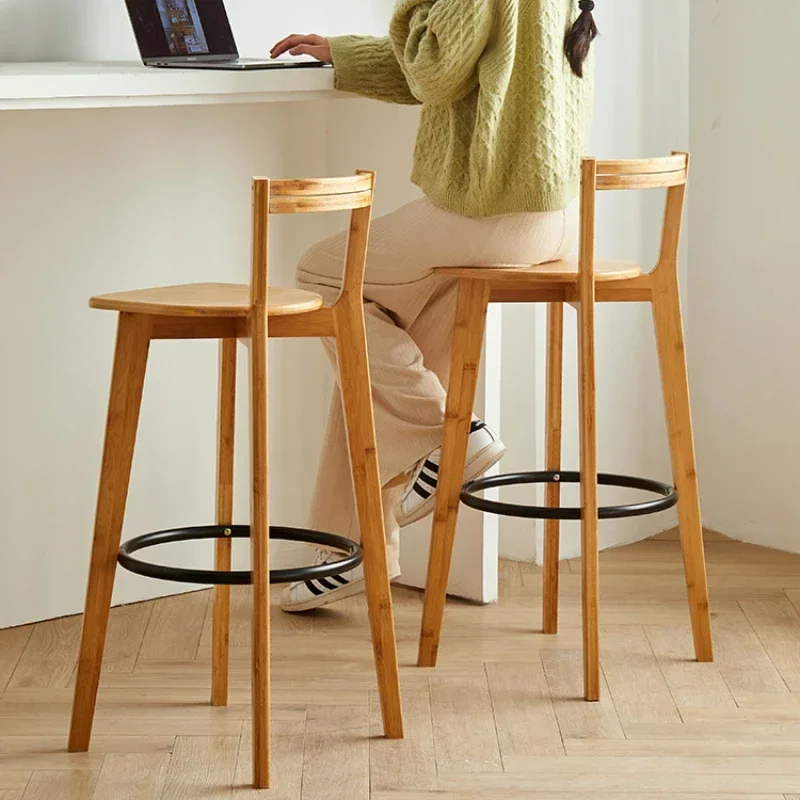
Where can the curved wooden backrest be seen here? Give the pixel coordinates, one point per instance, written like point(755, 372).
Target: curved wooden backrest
point(642, 173)
point(321, 194)
point(669, 173)
point(352, 193)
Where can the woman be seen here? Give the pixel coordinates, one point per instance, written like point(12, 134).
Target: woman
point(506, 114)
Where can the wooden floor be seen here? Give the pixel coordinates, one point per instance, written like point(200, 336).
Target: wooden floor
point(499, 718)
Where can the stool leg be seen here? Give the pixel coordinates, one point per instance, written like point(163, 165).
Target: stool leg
point(552, 528)
point(127, 383)
point(259, 547)
point(589, 495)
point(220, 656)
point(351, 344)
point(675, 381)
point(470, 324)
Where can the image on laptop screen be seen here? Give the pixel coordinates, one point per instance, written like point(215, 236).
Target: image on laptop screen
point(183, 27)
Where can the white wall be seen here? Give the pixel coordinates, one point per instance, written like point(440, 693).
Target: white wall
point(745, 275)
point(640, 110)
point(98, 30)
point(116, 194)
point(106, 200)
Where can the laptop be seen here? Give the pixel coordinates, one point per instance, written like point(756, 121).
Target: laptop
point(194, 34)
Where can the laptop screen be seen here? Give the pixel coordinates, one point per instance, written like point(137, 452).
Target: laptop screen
point(181, 28)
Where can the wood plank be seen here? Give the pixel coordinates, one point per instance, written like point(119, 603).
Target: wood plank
point(578, 719)
point(322, 688)
point(66, 785)
point(132, 776)
point(637, 685)
point(460, 747)
point(202, 766)
point(692, 685)
point(155, 724)
point(729, 552)
point(281, 624)
point(633, 783)
point(777, 625)
point(733, 747)
point(513, 794)
point(53, 746)
point(742, 659)
point(37, 758)
point(14, 779)
point(137, 690)
point(524, 715)
point(126, 629)
point(774, 713)
point(336, 757)
point(510, 577)
point(718, 572)
point(12, 644)
point(141, 712)
point(643, 610)
point(408, 763)
point(50, 656)
point(664, 556)
point(716, 730)
point(657, 582)
point(764, 701)
point(644, 765)
point(175, 627)
point(674, 535)
point(286, 768)
point(794, 597)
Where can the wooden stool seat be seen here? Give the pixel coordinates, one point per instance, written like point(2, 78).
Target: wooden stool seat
point(565, 271)
point(206, 300)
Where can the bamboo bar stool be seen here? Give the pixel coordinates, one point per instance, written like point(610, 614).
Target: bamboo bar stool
point(582, 285)
point(253, 313)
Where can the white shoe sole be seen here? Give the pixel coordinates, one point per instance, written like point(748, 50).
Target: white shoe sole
point(318, 601)
point(481, 463)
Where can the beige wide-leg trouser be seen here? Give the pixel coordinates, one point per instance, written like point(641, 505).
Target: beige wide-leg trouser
point(410, 313)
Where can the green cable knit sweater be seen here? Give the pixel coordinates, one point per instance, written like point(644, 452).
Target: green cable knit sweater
point(504, 121)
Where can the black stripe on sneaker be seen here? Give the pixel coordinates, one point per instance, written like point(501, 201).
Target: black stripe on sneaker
point(341, 579)
point(313, 589)
point(422, 492)
point(476, 425)
point(432, 466)
point(327, 584)
point(430, 480)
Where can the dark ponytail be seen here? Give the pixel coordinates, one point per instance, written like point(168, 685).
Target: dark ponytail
point(580, 37)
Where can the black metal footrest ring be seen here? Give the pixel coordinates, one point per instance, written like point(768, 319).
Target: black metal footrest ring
point(667, 496)
point(352, 555)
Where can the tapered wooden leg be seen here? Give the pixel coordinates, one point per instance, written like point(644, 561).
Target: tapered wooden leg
point(590, 557)
point(552, 528)
point(675, 382)
point(470, 325)
point(351, 341)
point(127, 382)
point(220, 655)
point(259, 548)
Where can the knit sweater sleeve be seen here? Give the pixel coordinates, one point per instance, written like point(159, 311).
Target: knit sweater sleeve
point(367, 66)
point(438, 44)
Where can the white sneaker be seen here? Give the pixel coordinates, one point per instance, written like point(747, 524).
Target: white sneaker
point(318, 592)
point(484, 450)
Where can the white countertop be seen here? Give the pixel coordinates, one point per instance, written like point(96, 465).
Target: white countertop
point(124, 84)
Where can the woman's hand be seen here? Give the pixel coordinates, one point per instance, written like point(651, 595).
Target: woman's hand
point(308, 45)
